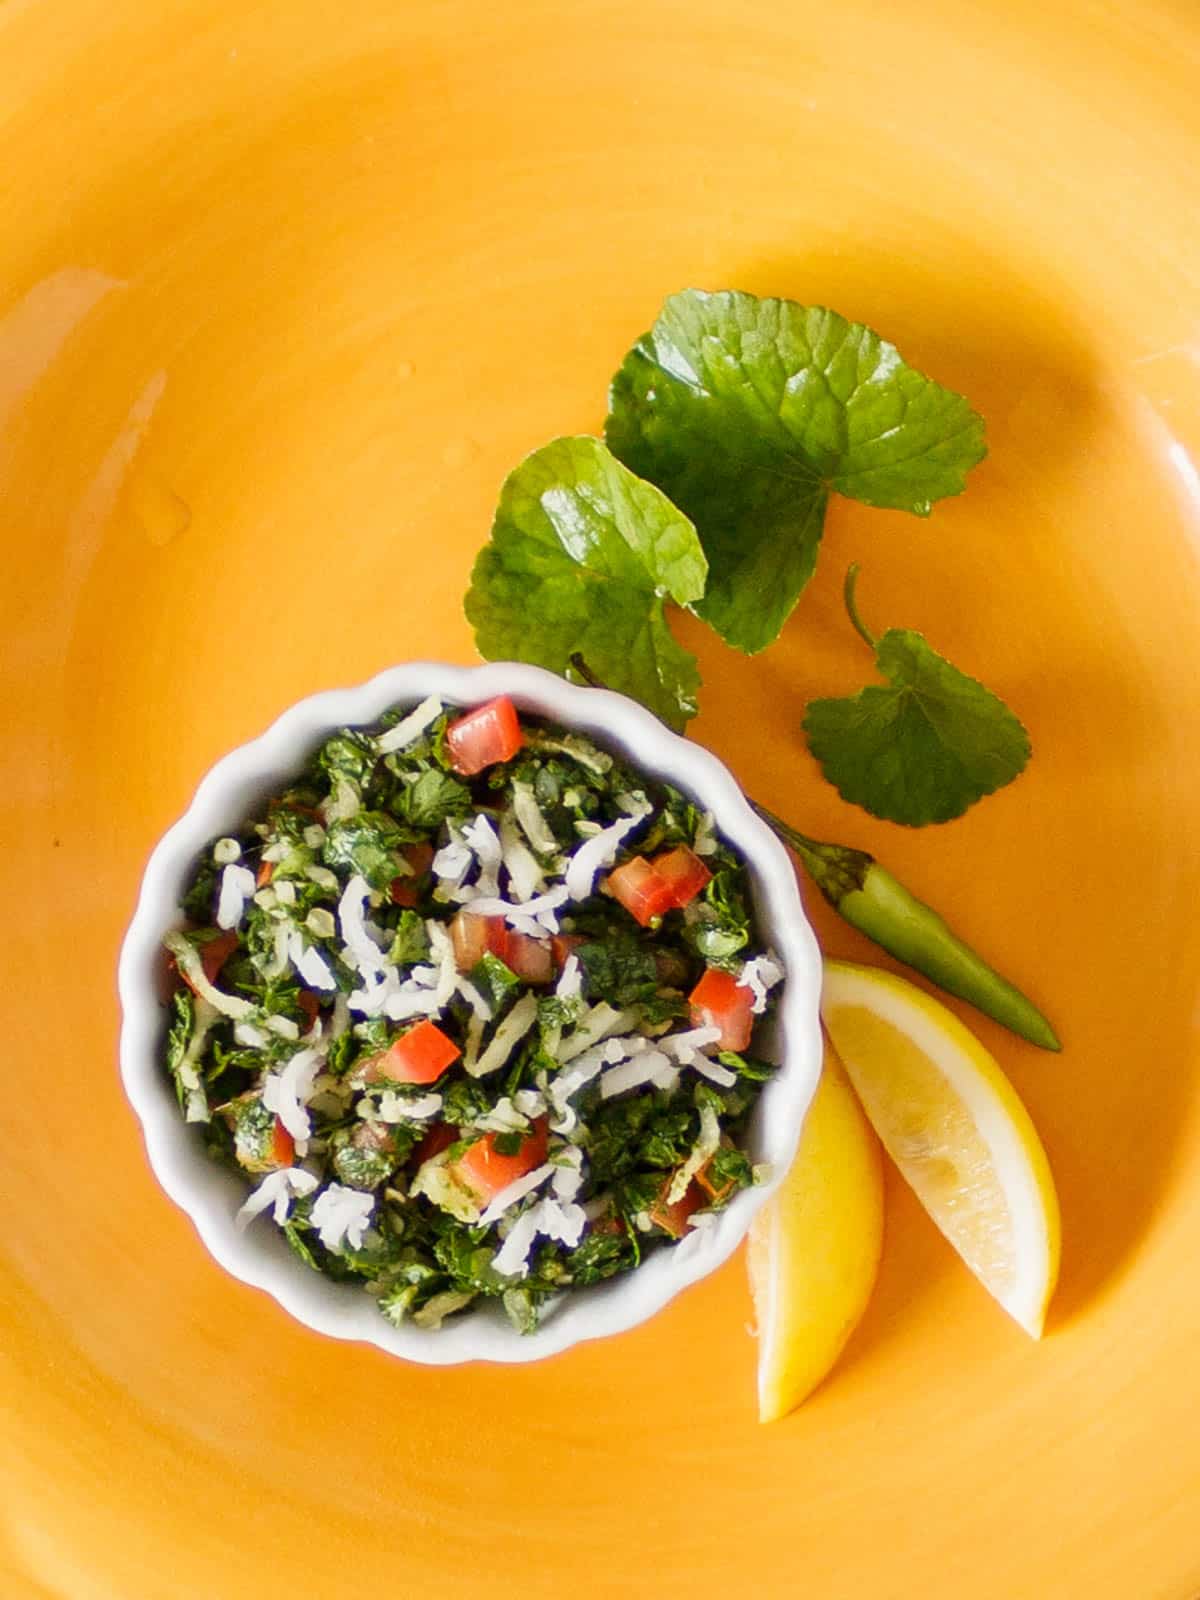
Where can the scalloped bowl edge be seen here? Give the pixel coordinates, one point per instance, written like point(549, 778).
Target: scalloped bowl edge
point(209, 1196)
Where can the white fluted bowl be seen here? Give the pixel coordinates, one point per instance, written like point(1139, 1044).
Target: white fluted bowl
point(233, 790)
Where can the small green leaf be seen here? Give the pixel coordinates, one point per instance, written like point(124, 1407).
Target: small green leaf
point(431, 798)
point(748, 412)
point(368, 843)
point(582, 558)
point(923, 749)
point(496, 982)
point(348, 754)
point(618, 968)
point(410, 942)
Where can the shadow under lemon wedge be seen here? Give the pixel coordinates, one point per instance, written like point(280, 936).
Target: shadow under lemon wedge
point(962, 1139)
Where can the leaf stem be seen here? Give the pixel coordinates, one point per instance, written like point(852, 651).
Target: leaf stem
point(790, 836)
point(575, 660)
point(849, 584)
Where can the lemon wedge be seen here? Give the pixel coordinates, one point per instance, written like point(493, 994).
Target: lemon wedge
point(954, 1126)
point(814, 1247)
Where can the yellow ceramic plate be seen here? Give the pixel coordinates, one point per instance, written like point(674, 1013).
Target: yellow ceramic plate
point(285, 288)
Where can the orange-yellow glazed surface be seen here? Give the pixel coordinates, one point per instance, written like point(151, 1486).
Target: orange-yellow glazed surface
point(285, 289)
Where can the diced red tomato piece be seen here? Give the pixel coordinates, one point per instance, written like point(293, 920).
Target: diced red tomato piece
point(266, 871)
point(405, 890)
point(419, 1056)
point(684, 871)
point(719, 1001)
point(474, 936)
point(649, 889)
point(467, 935)
point(640, 889)
point(564, 944)
point(490, 733)
point(283, 1146)
point(485, 1171)
point(213, 957)
point(672, 1216)
point(530, 959)
point(439, 1138)
point(310, 1004)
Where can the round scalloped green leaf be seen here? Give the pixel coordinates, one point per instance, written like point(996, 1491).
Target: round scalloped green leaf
point(925, 747)
point(582, 558)
point(748, 412)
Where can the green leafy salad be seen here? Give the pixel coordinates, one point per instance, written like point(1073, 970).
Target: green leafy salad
point(471, 1006)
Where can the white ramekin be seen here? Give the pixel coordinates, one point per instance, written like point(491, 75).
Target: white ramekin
point(211, 1196)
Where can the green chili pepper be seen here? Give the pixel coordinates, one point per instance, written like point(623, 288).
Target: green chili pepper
point(875, 903)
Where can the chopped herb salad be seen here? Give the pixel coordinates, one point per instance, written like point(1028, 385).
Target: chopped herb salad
point(471, 1006)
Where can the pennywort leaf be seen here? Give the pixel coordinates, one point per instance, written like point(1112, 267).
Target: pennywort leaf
point(925, 747)
point(748, 412)
point(583, 557)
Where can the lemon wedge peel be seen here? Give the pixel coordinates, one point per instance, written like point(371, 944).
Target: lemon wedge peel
point(814, 1248)
point(955, 1127)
